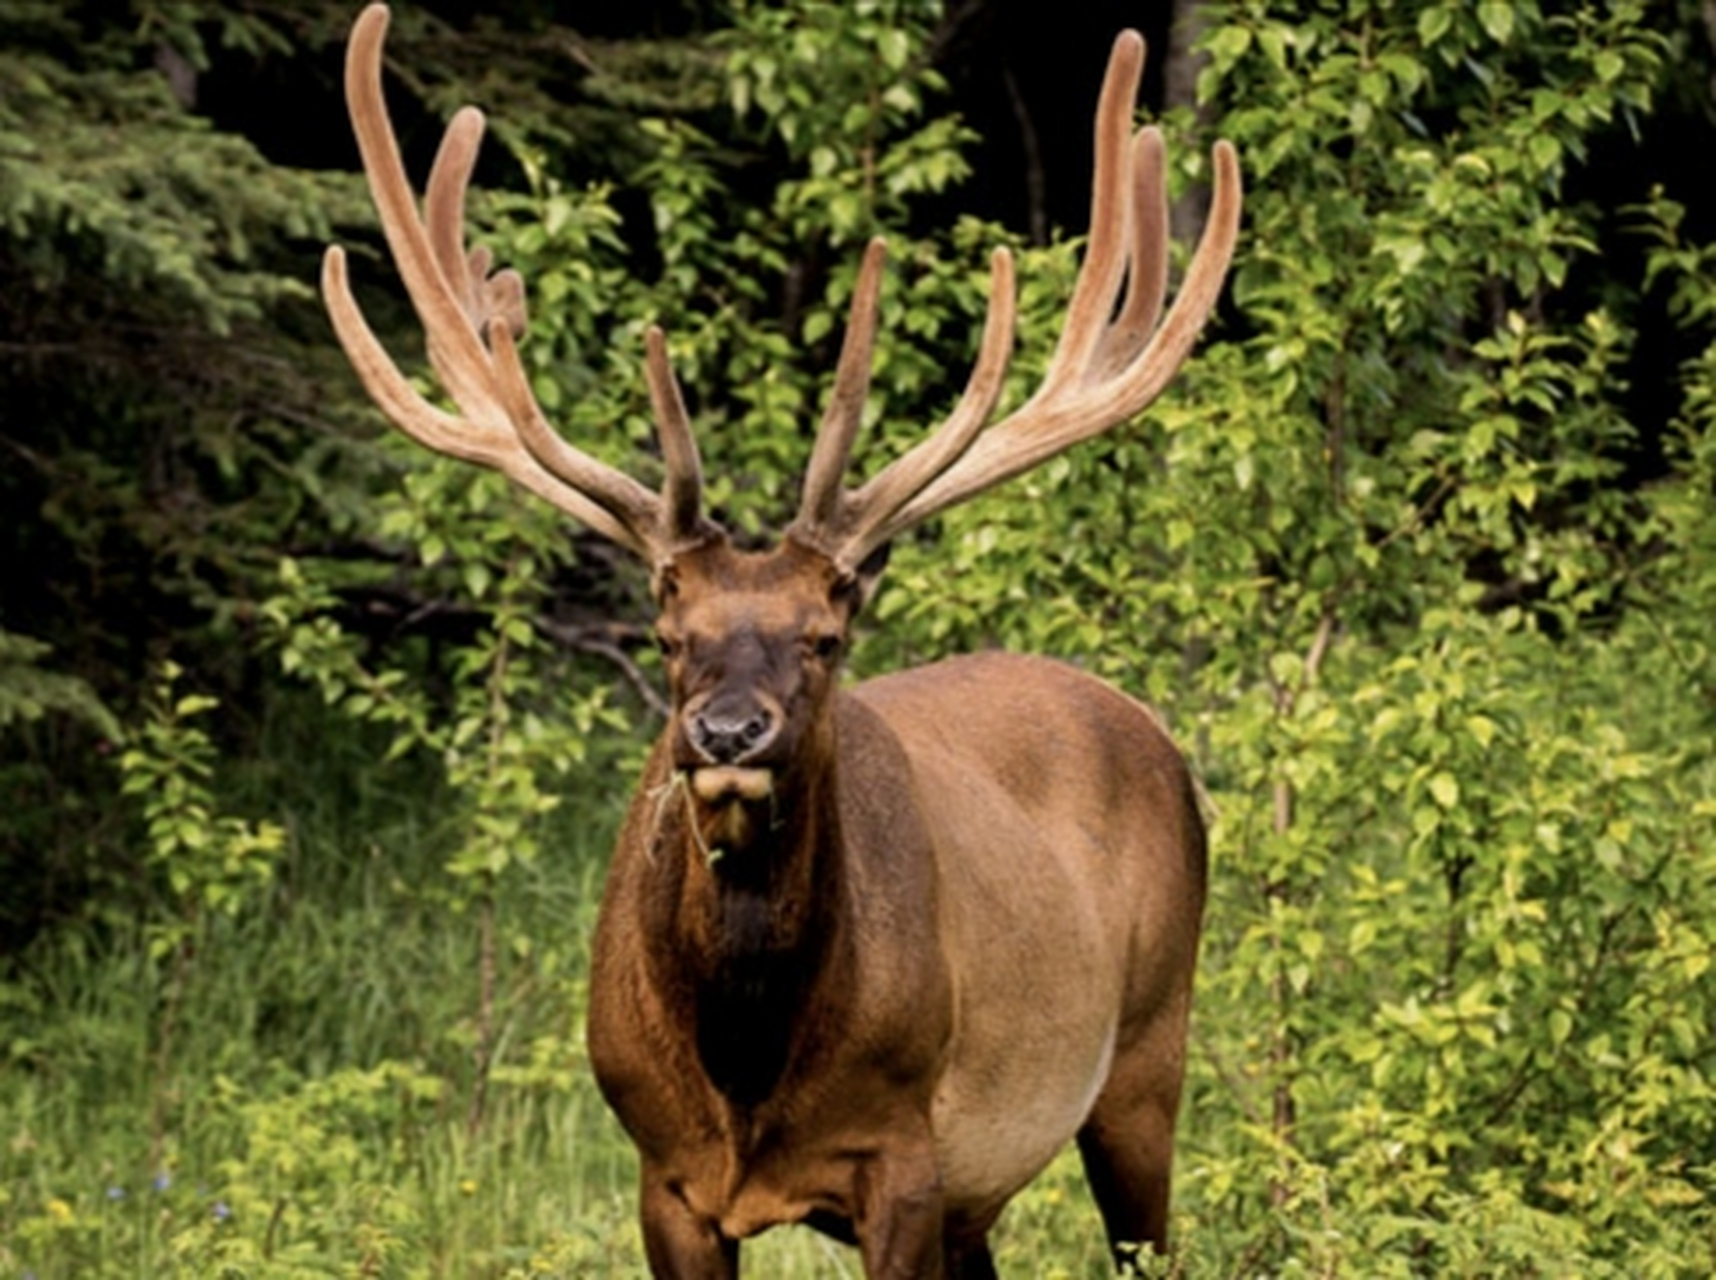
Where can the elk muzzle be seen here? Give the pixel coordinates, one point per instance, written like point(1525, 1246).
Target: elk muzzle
point(733, 729)
point(730, 733)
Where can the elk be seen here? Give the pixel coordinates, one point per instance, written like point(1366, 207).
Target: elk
point(867, 956)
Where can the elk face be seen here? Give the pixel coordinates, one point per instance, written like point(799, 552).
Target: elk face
point(753, 644)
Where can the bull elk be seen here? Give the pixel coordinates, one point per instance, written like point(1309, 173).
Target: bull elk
point(868, 956)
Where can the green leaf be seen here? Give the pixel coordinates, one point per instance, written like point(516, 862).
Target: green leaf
point(1433, 23)
point(1497, 17)
point(1227, 45)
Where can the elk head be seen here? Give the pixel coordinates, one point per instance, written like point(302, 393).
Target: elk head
point(752, 646)
point(753, 641)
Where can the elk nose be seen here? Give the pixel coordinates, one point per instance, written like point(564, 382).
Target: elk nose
point(729, 736)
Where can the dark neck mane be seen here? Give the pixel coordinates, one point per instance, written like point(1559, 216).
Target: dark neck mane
point(756, 923)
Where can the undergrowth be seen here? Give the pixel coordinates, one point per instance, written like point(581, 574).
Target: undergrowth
point(310, 1114)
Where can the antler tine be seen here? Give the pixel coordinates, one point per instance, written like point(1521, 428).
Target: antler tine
point(1105, 255)
point(839, 522)
point(1147, 269)
point(682, 491)
point(487, 299)
point(499, 424)
point(873, 506)
point(819, 507)
point(1106, 366)
point(444, 206)
point(444, 320)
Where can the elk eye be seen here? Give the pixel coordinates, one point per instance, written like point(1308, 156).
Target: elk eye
point(668, 645)
point(824, 647)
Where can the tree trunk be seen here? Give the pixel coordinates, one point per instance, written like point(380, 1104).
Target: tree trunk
point(1188, 213)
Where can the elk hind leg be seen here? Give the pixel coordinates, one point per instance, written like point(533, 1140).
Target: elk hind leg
point(968, 1258)
point(1127, 1143)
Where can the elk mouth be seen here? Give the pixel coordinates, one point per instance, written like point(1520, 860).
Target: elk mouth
point(723, 783)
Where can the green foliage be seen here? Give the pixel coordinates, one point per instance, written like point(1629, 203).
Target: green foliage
point(157, 391)
point(514, 725)
point(836, 86)
point(210, 863)
point(317, 1062)
point(1422, 590)
point(1458, 884)
point(28, 691)
point(1379, 562)
point(103, 172)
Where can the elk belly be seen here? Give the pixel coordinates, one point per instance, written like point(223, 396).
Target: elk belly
point(999, 1123)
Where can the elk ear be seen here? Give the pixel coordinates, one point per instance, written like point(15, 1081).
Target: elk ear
point(860, 585)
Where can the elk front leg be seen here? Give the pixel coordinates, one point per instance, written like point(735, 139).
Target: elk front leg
point(680, 1244)
point(900, 1223)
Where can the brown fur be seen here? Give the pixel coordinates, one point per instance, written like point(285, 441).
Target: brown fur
point(958, 933)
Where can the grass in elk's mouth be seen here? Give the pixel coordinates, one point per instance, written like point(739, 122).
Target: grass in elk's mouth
point(729, 789)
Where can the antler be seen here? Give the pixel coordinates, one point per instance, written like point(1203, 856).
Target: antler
point(471, 320)
point(1107, 365)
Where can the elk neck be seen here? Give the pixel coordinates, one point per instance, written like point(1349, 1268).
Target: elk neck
point(754, 894)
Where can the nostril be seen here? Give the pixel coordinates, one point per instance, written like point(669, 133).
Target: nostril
point(727, 739)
